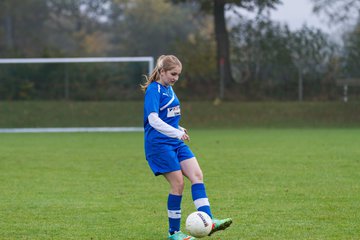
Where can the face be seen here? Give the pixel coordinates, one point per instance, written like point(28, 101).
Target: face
point(170, 77)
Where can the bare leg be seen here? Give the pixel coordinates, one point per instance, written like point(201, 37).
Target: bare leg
point(176, 181)
point(191, 169)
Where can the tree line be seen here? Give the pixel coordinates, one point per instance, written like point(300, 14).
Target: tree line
point(248, 59)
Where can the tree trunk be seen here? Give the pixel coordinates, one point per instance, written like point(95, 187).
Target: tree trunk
point(222, 43)
point(8, 31)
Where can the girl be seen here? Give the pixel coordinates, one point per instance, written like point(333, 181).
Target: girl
point(165, 150)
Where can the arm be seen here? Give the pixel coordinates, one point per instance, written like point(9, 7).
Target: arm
point(164, 128)
point(183, 129)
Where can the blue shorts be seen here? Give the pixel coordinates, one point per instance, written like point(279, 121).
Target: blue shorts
point(169, 161)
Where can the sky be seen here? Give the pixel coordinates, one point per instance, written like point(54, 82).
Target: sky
point(298, 12)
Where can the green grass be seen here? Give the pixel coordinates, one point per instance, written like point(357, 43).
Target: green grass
point(274, 183)
point(195, 114)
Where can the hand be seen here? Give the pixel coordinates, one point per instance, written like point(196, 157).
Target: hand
point(185, 137)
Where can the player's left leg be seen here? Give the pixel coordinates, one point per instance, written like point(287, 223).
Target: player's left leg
point(191, 169)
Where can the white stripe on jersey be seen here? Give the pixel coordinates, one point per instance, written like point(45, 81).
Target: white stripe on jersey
point(174, 214)
point(165, 106)
point(171, 100)
point(201, 202)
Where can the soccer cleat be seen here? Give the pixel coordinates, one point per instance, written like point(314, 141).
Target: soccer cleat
point(180, 236)
point(220, 224)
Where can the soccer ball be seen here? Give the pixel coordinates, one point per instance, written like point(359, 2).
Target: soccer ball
point(198, 224)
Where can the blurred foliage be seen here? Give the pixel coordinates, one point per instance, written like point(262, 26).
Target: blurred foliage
point(98, 28)
point(218, 9)
point(352, 53)
point(338, 11)
point(271, 58)
point(267, 58)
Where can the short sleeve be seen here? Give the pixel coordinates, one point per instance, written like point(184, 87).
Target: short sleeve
point(152, 101)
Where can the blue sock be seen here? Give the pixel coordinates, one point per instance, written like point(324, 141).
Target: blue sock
point(200, 199)
point(174, 213)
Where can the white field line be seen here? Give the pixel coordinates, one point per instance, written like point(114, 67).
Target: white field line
point(68, 130)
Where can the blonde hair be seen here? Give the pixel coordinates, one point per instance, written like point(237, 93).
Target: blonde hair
point(164, 62)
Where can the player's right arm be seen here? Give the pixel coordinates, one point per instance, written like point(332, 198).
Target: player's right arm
point(165, 128)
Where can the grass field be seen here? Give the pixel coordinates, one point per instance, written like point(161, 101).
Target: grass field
point(274, 183)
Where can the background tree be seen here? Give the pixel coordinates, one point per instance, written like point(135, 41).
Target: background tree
point(266, 57)
point(21, 27)
point(270, 60)
point(262, 62)
point(145, 27)
point(101, 28)
point(217, 8)
point(338, 10)
point(311, 51)
point(77, 28)
point(351, 53)
point(345, 13)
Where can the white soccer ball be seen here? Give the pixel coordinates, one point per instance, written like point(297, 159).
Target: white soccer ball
point(198, 224)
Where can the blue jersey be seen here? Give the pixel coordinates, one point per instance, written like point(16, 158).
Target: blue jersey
point(163, 101)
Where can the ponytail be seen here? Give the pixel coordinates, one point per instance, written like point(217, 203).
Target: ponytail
point(154, 76)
